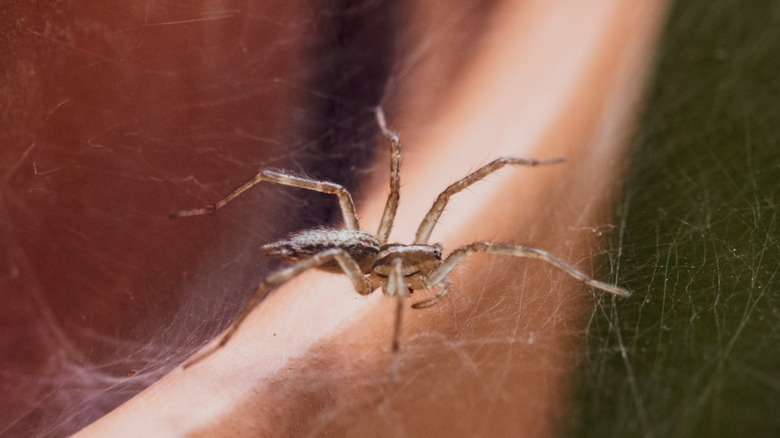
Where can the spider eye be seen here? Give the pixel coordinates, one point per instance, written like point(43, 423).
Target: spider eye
point(437, 252)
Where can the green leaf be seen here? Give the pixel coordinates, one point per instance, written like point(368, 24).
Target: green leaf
point(696, 350)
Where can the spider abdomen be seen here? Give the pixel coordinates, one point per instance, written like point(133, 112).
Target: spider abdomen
point(363, 247)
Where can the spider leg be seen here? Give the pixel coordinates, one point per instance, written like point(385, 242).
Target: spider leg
point(347, 263)
point(395, 181)
point(424, 304)
point(395, 286)
point(278, 177)
point(441, 271)
point(429, 221)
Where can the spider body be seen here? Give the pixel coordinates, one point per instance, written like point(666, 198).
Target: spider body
point(374, 260)
point(368, 260)
point(417, 261)
point(361, 246)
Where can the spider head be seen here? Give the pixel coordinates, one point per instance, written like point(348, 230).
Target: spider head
point(416, 262)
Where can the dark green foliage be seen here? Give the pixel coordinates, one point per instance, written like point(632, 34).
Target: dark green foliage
point(700, 245)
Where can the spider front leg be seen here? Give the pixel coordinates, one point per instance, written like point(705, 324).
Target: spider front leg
point(347, 263)
point(396, 287)
point(277, 177)
point(424, 304)
point(429, 221)
point(440, 272)
point(395, 180)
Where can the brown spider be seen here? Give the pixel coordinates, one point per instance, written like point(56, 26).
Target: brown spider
point(369, 261)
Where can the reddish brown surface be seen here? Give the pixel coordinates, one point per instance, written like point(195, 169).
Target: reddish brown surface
point(112, 115)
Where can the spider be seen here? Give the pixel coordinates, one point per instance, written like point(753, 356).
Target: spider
point(369, 260)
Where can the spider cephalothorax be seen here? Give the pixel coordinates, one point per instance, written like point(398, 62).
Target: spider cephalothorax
point(417, 261)
point(368, 260)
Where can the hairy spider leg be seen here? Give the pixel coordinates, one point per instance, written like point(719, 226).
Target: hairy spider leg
point(279, 177)
point(395, 180)
point(440, 272)
point(424, 304)
point(396, 287)
point(347, 263)
point(429, 221)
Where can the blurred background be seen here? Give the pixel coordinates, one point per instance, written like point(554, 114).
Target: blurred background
point(113, 115)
